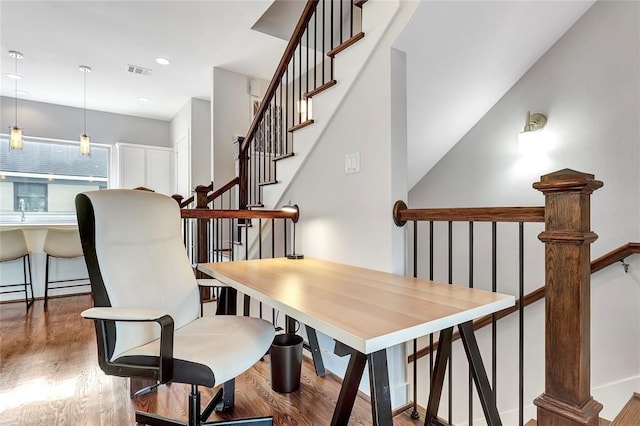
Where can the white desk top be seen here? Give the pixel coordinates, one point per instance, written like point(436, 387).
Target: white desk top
point(365, 309)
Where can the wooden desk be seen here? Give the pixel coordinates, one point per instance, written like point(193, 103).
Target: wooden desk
point(367, 311)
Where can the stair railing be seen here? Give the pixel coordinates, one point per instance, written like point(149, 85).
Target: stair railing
point(306, 68)
point(567, 236)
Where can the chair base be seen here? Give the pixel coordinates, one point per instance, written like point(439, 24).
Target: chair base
point(156, 420)
point(223, 400)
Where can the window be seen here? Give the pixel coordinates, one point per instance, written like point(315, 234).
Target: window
point(29, 197)
point(40, 182)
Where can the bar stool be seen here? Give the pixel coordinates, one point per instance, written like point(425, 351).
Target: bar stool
point(61, 244)
point(13, 246)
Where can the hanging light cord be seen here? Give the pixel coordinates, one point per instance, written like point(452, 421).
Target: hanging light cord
point(85, 104)
point(15, 94)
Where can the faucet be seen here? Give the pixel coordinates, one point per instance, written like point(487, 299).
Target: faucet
point(22, 208)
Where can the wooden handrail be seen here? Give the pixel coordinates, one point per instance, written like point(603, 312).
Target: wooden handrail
point(233, 182)
point(470, 214)
point(598, 264)
point(236, 214)
point(298, 32)
point(614, 256)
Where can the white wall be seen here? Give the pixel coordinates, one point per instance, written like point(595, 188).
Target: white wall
point(62, 122)
point(231, 118)
point(193, 122)
point(347, 218)
point(588, 85)
point(201, 150)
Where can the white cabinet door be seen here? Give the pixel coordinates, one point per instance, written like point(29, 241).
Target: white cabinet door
point(148, 166)
point(160, 170)
point(131, 164)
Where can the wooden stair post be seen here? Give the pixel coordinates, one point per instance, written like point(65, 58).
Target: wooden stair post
point(567, 236)
point(202, 254)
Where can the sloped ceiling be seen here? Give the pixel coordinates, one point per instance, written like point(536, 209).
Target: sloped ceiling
point(462, 57)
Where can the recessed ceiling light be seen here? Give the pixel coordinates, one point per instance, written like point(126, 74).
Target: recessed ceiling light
point(163, 61)
point(13, 76)
point(143, 100)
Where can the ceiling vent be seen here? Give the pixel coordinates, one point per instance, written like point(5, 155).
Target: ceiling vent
point(135, 69)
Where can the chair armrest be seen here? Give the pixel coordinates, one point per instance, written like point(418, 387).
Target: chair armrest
point(103, 314)
point(210, 282)
point(123, 314)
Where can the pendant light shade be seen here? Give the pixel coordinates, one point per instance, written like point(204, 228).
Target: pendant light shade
point(85, 140)
point(16, 138)
point(15, 142)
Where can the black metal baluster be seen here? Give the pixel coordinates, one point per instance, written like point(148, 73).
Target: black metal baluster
point(351, 20)
point(259, 238)
point(341, 19)
point(315, 48)
point(450, 378)
point(331, 46)
point(273, 238)
point(293, 90)
point(286, 112)
point(521, 326)
point(494, 318)
point(306, 99)
point(470, 286)
point(324, 26)
point(430, 278)
point(246, 239)
point(284, 228)
point(300, 83)
point(414, 412)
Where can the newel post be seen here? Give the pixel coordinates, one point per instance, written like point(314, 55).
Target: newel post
point(202, 255)
point(567, 236)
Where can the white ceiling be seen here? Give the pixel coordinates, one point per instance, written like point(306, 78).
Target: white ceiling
point(58, 36)
point(462, 57)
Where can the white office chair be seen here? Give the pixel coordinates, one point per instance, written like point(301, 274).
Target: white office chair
point(13, 246)
point(140, 275)
point(61, 244)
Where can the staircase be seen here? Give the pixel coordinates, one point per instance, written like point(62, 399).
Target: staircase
point(328, 49)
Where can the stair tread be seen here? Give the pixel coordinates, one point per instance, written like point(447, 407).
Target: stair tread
point(319, 89)
point(300, 126)
point(354, 39)
point(630, 413)
point(283, 156)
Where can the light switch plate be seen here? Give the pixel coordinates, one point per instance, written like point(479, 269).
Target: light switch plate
point(352, 163)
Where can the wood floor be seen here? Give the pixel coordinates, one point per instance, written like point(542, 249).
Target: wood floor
point(49, 375)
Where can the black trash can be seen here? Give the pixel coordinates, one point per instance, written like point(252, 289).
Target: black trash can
point(286, 362)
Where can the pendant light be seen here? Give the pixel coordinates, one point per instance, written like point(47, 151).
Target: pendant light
point(85, 141)
point(15, 142)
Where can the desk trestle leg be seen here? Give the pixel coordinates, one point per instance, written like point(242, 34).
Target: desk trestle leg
point(380, 392)
point(349, 389)
point(486, 395)
point(314, 347)
point(378, 381)
point(478, 372)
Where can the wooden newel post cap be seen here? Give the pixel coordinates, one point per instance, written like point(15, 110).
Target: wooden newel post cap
point(567, 180)
point(201, 195)
point(398, 207)
point(178, 198)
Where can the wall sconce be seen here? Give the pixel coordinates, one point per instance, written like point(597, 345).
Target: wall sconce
point(293, 208)
point(527, 138)
point(305, 109)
